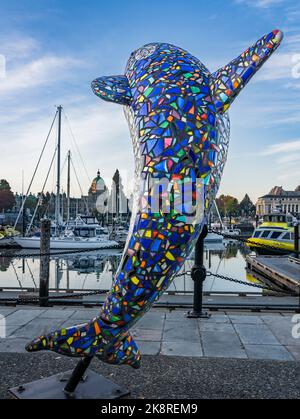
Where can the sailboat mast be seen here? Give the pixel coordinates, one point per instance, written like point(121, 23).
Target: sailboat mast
point(68, 186)
point(57, 202)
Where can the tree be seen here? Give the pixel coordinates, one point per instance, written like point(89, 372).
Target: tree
point(7, 198)
point(228, 206)
point(31, 202)
point(4, 185)
point(246, 207)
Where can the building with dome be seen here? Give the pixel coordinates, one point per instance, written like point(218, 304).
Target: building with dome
point(98, 188)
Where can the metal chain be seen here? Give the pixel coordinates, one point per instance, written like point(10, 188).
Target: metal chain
point(237, 281)
point(57, 297)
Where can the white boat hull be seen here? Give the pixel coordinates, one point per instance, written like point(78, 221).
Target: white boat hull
point(67, 243)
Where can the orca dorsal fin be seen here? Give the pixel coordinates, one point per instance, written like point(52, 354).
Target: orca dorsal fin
point(227, 82)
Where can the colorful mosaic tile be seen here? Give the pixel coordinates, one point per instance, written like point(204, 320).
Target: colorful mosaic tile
point(176, 111)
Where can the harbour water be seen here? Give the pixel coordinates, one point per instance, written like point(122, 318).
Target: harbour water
point(95, 271)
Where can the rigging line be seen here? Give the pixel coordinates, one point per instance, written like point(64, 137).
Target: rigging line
point(31, 274)
point(44, 185)
point(76, 145)
point(85, 201)
point(64, 165)
point(17, 276)
point(35, 171)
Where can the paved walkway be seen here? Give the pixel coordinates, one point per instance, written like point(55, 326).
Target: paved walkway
point(160, 332)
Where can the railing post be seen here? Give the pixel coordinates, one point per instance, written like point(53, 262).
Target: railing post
point(199, 276)
point(44, 262)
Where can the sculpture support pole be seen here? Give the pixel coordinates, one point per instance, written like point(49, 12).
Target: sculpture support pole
point(77, 375)
point(199, 276)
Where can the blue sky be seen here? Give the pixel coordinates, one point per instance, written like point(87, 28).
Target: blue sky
point(53, 50)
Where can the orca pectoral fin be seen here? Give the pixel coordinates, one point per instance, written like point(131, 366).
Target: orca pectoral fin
point(123, 352)
point(113, 89)
point(227, 83)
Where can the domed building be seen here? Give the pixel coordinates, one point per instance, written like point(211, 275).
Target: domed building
point(88, 205)
point(98, 186)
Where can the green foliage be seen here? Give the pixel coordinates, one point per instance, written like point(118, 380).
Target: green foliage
point(4, 185)
point(7, 198)
point(228, 205)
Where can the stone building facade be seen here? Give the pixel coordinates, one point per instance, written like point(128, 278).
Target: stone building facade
point(278, 199)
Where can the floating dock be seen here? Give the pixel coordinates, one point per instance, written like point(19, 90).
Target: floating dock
point(284, 271)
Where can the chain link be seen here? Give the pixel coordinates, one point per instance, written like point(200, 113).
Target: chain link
point(35, 300)
point(237, 281)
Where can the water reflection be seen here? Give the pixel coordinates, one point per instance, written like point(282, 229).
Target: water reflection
point(94, 271)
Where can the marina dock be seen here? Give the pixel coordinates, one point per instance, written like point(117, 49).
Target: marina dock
point(284, 271)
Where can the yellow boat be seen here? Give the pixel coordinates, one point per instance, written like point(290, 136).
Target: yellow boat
point(277, 230)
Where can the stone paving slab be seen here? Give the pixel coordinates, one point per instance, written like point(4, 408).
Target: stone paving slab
point(176, 333)
point(85, 315)
point(152, 321)
point(22, 317)
point(7, 311)
point(242, 319)
point(282, 327)
point(216, 318)
point(295, 351)
point(37, 327)
point(16, 345)
point(149, 348)
point(216, 327)
point(147, 335)
point(259, 334)
point(57, 314)
point(222, 345)
point(192, 349)
point(274, 352)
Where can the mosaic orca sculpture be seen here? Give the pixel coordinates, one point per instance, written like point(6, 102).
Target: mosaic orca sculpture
point(176, 111)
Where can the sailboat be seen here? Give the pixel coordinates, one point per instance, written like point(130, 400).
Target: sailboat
point(69, 240)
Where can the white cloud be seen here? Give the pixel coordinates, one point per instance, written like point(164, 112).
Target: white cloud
point(286, 147)
point(290, 158)
point(43, 71)
point(289, 175)
point(286, 157)
point(260, 3)
point(280, 66)
point(18, 46)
